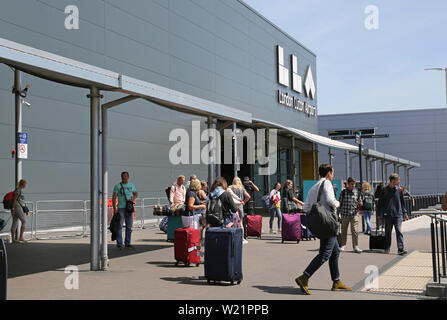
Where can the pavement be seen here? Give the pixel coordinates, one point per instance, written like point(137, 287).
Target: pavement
point(37, 270)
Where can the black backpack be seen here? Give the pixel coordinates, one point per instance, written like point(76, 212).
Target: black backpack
point(214, 213)
point(368, 202)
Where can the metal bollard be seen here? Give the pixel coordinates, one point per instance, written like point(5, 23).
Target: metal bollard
point(433, 250)
point(443, 225)
point(3, 270)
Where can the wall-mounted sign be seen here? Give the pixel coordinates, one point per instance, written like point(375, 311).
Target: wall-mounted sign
point(297, 85)
point(22, 145)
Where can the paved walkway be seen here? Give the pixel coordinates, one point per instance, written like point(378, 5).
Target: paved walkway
point(36, 270)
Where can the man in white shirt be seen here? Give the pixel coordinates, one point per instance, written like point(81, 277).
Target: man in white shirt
point(329, 248)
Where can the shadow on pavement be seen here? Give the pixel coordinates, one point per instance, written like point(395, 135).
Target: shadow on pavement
point(201, 281)
point(36, 257)
point(166, 264)
point(281, 290)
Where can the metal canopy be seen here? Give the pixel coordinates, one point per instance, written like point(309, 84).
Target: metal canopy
point(59, 69)
point(324, 141)
point(335, 144)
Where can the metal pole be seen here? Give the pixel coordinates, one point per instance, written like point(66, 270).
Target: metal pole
point(18, 128)
point(366, 169)
point(346, 164)
point(105, 190)
point(293, 161)
point(330, 156)
point(433, 250)
point(360, 160)
point(94, 174)
point(313, 161)
point(235, 149)
point(437, 250)
point(383, 172)
point(443, 247)
point(3, 271)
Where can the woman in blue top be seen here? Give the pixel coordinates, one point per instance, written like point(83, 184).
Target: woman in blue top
point(194, 206)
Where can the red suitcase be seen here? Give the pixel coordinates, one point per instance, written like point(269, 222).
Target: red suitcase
point(254, 226)
point(187, 246)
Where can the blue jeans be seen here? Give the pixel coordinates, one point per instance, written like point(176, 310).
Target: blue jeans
point(329, 250)
point(395, 222)
point(275, 211)
point(129, 223)
point(367, 215)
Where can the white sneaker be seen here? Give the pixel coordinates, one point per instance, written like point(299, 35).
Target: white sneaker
point(357, 250)
point(244, 242)
point(342, 248)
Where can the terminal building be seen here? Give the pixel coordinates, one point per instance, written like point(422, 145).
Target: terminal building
point(418, 135)
point(174, 63)
point(218, 50)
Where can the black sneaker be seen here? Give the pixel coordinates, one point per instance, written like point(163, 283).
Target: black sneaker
point(120, 248)
point(402, 252)
point(130, 247)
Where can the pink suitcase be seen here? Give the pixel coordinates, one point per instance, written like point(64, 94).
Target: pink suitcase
point(291, 227)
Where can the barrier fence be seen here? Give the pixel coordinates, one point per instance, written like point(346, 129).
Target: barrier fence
point(53, 219)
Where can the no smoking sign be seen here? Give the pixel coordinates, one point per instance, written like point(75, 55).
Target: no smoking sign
point(22, 145)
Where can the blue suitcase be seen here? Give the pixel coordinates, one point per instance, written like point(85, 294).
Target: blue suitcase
point(223, 255)
point(306, 234)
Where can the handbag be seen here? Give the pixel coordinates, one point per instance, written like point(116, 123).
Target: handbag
point(129, 203)
point(25, 209)
point(323, 223)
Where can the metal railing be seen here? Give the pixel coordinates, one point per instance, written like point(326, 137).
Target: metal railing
point(29, 228)
point(56, 219)
point(53, 219)
point(438, 241)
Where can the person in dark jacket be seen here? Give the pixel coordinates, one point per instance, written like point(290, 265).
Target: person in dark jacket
point(391, 209)
point(219, 190)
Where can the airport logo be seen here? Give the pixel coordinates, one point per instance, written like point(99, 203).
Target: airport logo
point(297, 80)
point(298, 85)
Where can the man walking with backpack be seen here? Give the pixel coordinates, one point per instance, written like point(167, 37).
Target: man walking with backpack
point(391, 209)
point(329, 249)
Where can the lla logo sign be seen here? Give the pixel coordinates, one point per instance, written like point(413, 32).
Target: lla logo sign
point(297, 81)
point(307, 87)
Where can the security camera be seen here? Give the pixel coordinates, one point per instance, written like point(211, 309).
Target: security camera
point(26, 103)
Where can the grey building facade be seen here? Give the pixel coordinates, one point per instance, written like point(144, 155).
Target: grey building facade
point(416, 135)
point(219, 50)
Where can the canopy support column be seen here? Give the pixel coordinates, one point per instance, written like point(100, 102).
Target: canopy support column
point(235, 149)
point(18, 128)
point(94, 179)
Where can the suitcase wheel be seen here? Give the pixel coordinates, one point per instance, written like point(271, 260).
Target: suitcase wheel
point(239, 282)
point(187, 264)
point(176, 263)
point(282, 241)
point(197, 264)
point(298, 241)
point(208, 281)
point(232, 282)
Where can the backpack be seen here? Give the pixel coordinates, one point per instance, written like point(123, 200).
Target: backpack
point(266, 202)
point(214, 212)
point(7, 200)
point(368, 202)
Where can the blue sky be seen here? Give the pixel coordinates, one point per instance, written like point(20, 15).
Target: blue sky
point(362, 70)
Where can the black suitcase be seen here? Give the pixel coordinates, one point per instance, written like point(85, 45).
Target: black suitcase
point(223, 255)
point(377, 239)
